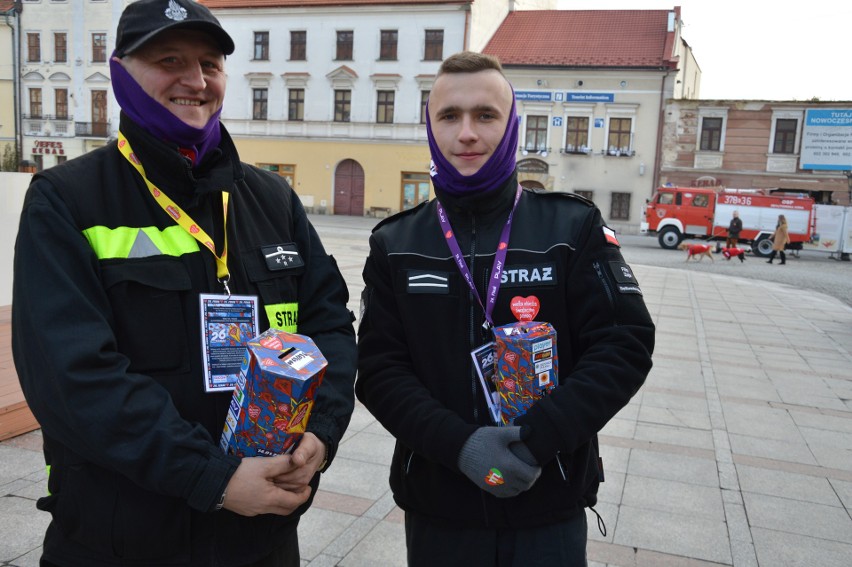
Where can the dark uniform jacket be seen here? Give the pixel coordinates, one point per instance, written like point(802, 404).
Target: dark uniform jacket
point(106, 333)
point(415, 371)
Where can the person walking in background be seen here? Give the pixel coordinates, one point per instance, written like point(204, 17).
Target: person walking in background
point(438, 278)
point(734, 229)
point(119, 255)
point(780, 239)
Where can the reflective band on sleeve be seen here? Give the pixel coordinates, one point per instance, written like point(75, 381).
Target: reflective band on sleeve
point(284, 316)
point(130, 242)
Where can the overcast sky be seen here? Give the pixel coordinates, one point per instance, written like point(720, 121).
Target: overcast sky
point(754, 49)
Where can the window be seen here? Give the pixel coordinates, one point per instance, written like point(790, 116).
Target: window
point(711, 134)
point(344, 46)
point(620, 206)
point(785, 136)
point(60, 48)
point(618, 142)
point(35, 103)
point(424, 98)
point(384, 107)
point(99, 41)
point(342, 105)
point(261, 46)
point(288, 172)
point(61, 97)
point(296, 104)
point(33, 47)
point(387, 51)
point(585, 194)
point(61, 159)
point(577, 134)
point(666, 198)
point(298, 45)
point(700, 200)
point(260, 104)
point(434, 45)
point(536, 135)
point(38, 159)
point(415, 189)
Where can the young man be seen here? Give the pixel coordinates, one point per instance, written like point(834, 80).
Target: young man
point(438, 278)
point(120, 255)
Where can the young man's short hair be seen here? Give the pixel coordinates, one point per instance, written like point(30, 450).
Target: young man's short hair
point(469, 62)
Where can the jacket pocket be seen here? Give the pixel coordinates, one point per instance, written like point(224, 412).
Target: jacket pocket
point(115, 518)
point(278, 290)
point(147, 297)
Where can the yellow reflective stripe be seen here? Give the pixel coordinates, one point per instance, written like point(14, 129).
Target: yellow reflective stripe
point(118, 242)
point(173, 241)
point(284, 316)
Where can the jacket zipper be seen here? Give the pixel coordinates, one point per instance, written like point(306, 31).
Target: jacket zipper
point(604, 282)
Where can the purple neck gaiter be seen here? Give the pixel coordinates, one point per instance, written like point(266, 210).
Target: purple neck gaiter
point(493, 173)
point(156, 119)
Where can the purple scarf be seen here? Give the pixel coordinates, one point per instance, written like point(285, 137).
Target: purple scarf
point(157, 120)
point(493, 173)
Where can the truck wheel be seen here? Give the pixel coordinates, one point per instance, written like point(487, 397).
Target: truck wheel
point(762, 246)
point(669, 238)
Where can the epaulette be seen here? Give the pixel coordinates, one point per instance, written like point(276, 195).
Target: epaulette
point(540, 191)
point(399, 215)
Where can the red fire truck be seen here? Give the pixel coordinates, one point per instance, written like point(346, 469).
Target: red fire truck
point(676, 213)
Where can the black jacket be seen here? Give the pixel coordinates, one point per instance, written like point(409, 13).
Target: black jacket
point(415, 372)
point(107, 345)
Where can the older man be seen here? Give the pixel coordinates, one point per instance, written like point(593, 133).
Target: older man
point(120, 255)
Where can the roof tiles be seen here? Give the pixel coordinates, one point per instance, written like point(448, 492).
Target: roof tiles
point(584, 38)
point(226, 4)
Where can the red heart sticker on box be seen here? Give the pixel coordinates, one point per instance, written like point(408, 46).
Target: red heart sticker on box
point(524, 308)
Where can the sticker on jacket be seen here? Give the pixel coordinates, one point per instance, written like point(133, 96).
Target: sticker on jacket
point(282, 256)
point(420, 281)
point(529, 275)
point(624, 278)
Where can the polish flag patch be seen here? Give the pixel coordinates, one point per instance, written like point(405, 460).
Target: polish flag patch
point(609, 234)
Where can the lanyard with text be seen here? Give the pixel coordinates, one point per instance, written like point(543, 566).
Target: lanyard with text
point(496, 268)
point(181, 218)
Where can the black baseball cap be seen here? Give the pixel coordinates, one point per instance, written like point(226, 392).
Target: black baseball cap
point(144, 19)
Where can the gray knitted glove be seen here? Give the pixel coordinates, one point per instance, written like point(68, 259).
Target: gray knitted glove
point(487, 460)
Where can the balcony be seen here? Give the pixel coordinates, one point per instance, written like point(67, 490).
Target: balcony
point(91, 129)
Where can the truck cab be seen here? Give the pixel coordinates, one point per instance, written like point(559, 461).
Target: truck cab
point(675, 213)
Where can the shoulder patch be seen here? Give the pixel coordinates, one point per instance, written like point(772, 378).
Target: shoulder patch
point(400, 214)
point(610, 237)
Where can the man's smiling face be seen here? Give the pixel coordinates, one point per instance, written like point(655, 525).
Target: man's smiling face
point(184, 70)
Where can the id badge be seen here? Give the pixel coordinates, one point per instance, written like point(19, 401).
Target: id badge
point(484, 364)
point(227, 324)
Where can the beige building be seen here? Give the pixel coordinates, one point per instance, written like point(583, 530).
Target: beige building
point(67, 107)
point(9, 26)
point(753, 144)
point(331, 94)
point(591, 86)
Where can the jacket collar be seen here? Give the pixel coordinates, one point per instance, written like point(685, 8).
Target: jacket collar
point(486, 204)
point(173, 173)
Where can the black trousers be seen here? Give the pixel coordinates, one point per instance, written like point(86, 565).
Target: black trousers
point(556, 545)
point(286, 555)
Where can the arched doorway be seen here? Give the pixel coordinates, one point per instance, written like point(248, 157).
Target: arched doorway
point(531, 184)
point(349, 188)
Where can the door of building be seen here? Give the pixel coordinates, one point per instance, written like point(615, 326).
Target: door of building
point(349, 188)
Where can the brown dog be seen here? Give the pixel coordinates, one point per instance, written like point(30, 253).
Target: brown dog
point(697, 251)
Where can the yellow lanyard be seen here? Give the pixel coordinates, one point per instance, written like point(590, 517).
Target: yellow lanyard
point(181, 218)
